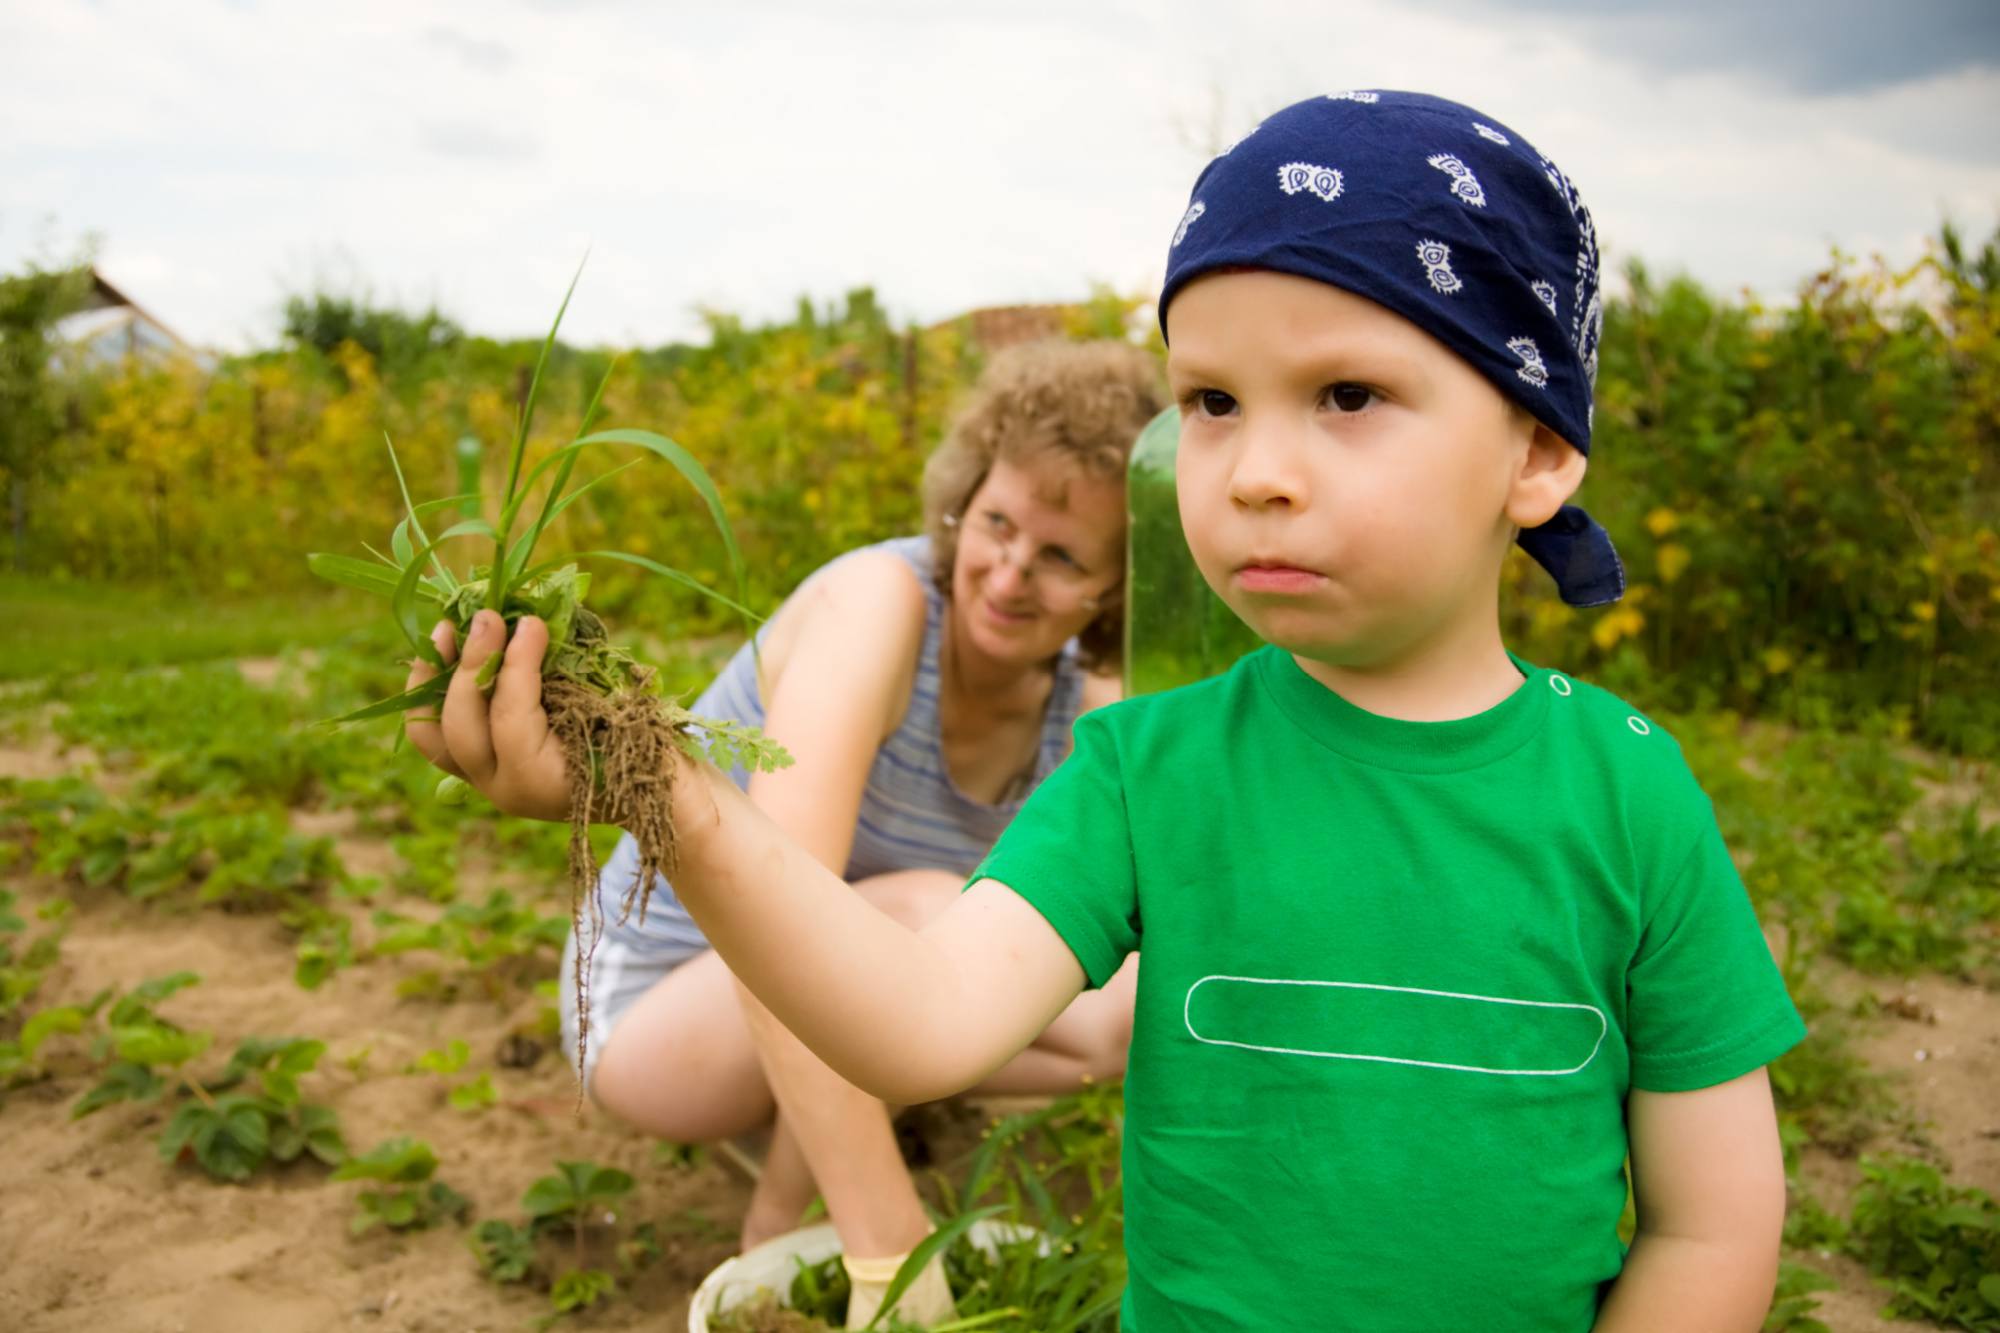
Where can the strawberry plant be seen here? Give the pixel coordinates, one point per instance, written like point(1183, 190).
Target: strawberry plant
point(417, 1201)
point(564, 1202)
point(493, 942)
point(1934, 1246)
point(228, 1132)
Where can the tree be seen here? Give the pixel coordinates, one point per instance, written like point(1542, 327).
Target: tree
point(31, 303)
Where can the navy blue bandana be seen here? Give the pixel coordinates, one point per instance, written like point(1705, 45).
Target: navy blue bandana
point(1449, 219)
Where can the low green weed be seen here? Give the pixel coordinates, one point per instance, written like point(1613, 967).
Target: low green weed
point(416, 1202)
point(1793, 1301)
point(1936, 1247)
point(1054, 1169)
point(565, 1203)
point(497, 945)
point(25, 960)
point(229, 1133)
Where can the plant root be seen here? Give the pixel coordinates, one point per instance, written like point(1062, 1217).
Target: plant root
point(620, 750)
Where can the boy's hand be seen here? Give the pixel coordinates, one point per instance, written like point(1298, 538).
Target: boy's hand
point(505, 749)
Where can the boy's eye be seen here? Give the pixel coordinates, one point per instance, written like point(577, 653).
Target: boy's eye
point(1213, 402)
point(1348, 396)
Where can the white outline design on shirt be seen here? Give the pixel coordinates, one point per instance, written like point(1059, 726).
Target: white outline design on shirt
point(1435, 256)
point(1326, 182)
point(1604, 1029)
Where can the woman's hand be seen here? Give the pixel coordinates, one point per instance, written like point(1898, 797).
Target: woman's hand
point(505, 749)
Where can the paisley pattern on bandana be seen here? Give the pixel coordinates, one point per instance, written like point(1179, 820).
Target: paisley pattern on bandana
point(1490, 134)
point(1366, 99)
point(1545, 292)
point(1435, 256)
point(1188, 219)
point(1325, 182)
point(1464, 184)
point(1532, 369)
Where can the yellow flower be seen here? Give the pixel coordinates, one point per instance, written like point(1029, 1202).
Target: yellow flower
point(1776, 661)
point(1924, 611)
point(1662, 521)
point(1623, 622)
point(1670, 560)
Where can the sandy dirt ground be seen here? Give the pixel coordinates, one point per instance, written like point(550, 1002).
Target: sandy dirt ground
point(99, 1234)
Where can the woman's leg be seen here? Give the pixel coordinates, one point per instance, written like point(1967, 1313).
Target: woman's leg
point(683, 1062)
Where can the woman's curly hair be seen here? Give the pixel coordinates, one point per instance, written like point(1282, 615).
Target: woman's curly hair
point(1084, 403)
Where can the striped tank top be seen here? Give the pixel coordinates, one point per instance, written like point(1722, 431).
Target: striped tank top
point(912, 816)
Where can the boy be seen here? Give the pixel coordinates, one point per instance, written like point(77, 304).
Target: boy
point(1433, 938)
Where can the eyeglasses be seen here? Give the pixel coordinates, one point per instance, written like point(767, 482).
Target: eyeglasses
point(1063, 583)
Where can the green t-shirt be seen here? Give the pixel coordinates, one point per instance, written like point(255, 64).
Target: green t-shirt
point(1398, 979)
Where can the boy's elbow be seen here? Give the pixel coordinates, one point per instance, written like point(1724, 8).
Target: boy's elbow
point(907, 1068)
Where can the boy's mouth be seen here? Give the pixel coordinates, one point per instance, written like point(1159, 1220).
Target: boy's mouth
point(1275, 577)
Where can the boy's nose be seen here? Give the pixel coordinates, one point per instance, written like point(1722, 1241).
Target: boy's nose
point(1265, 472)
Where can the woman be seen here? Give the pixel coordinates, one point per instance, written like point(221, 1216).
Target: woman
point(924, 686)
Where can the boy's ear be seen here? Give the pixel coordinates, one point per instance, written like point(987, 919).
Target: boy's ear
point(1550, 471)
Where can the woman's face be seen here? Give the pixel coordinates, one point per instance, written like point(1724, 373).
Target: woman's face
point(1040, 543)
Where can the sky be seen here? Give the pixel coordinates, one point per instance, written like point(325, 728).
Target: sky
point(224, 154)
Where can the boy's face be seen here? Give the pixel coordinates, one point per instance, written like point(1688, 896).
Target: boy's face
point(1347, 484)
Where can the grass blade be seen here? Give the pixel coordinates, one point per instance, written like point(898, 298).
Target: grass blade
point(431, 691)
point(403, 601)
point(664, 571)
point(350, 572)
point(697, 476)
point(445, 576)
point(935, 1243)
point(535, 386)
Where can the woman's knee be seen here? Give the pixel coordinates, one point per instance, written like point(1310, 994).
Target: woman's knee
point(912, 897)
point(680, 1062)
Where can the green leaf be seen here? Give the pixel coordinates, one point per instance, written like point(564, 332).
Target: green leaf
point(232, 1143)
point(121, 1082)
point(447, 1061)
point(158, 1043)
point(403, 599)
point(46, 1023)
point(181, 1129)
point(136, 1004)
point(664, 571)
point(505, 1251)
point(430, 692)
point(400, 1160)
point(441, 1200)
point(474, 1096)
point(580, 1288)
point(534, 394)
point(445, 577)
point(1989, 1288)
point(352, 573)
point(697, 476)
point(938, 1241)
point(321, 1128)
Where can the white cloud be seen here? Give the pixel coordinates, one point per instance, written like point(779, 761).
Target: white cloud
point(948, 155)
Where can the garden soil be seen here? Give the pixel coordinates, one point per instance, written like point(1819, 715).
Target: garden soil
point(100, 1235)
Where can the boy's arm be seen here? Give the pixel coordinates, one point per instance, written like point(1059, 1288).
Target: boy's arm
point(1708, 1177)
point(907, 1016)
